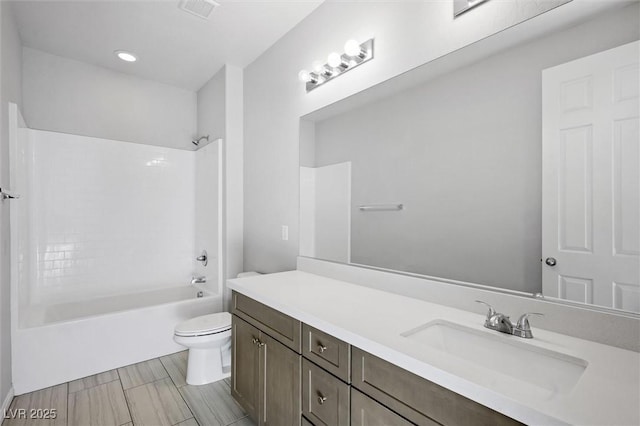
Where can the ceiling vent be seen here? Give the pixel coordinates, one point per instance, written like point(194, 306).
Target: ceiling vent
point(199, 8)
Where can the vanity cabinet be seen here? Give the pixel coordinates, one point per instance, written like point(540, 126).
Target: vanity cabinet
point(281, 327)
point(265, 378)
point(330, 353)
point(367, 412)
point(417, 399)
point(325, 398)
point(245, 365)
point(287, 373)
point(281, 384)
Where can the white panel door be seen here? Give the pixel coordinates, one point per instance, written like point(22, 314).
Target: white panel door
point(591, 180)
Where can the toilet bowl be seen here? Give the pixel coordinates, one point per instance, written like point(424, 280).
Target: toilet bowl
point(208, 338)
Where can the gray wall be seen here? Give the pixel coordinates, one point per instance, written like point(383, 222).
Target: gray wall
point(10, 91)
point(407, 34)
point(69, 96)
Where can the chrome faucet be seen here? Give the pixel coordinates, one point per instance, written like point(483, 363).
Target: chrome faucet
point(522, 328)
point(204, 258)
point(198, 280)
point(501, 322)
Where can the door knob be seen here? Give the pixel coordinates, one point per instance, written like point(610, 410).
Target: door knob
point(550, 261)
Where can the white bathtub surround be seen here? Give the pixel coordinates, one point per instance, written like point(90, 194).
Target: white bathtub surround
point(102, 217)
point(107, 217)
point(92, 343)
point(103, 251)
point(208, 201)
point(39, 315)
point(325, 233)
point(374, 321)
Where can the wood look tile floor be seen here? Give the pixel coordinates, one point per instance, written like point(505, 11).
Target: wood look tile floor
point(150, 393)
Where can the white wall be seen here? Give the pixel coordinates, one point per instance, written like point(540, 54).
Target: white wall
point(211, 107)
point(107, 217)
point(10, 91)
point(211, 122)
point(69, 96)
point(463, 153)
point(220, 107)
point(407, 34)
point(234, 169)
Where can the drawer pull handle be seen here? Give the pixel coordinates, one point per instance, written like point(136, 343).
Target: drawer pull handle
point(321, 399)
point(255, 341)
point(322, 348)
point(261, 344)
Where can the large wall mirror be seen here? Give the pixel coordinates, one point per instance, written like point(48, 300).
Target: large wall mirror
point(511, 163)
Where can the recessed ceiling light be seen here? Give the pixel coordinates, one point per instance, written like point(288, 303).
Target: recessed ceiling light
point(126, 56)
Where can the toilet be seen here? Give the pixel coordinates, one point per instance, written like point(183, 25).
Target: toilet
point(208, 338)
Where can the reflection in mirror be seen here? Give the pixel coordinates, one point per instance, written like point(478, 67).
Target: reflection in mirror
point(517, 171)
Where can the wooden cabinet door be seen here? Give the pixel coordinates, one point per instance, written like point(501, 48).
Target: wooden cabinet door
point(325, 398)
point(280, 372)
point(367, 412)
point(245, 366)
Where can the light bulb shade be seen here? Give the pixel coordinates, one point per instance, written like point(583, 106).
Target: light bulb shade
point(334, 60)
point(304, 76)
point(318, 67)
point(352, 48)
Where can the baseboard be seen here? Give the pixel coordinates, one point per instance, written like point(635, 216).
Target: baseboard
point(7, 401)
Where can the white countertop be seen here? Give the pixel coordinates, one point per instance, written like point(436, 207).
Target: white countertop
point(607, 393)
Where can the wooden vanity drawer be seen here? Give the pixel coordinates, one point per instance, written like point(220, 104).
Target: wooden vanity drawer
point(281, 327)
point(330, 353)
point(325, 398)
point(367, 412)
point(415, 398)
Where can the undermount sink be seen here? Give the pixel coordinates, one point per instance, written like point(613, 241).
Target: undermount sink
point(500, 360)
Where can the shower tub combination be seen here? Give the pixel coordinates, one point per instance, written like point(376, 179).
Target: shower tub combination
point(86, 338)
point(104, 240)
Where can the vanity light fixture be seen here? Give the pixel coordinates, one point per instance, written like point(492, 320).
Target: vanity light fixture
point(352, 48)
point(335, 60)
point(126, 56)
point(337, 64)
point(307, 77)
point(461, 6)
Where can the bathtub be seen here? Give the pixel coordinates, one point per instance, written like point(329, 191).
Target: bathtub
point(59, 343)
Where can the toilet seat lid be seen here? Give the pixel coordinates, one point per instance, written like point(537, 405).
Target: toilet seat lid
point(205, 324)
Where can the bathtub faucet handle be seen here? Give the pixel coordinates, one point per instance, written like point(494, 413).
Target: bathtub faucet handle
point(198, 280)
point(204, 258)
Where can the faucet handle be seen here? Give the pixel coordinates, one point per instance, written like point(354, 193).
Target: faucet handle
point(523, 321)
point(522, 328)
point(491, 311)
